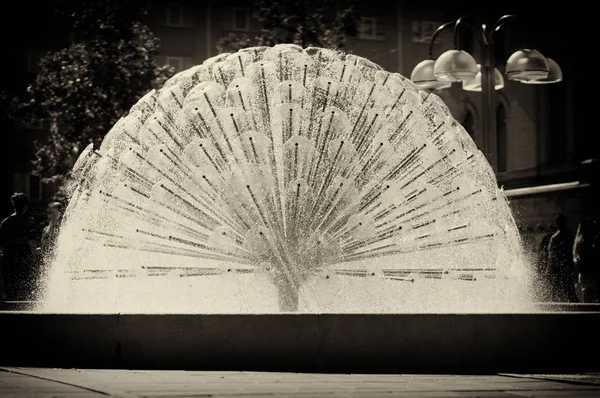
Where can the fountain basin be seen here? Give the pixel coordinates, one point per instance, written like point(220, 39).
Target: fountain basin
point(550, 342)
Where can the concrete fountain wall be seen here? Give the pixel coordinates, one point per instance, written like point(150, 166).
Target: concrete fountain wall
point(413, 343)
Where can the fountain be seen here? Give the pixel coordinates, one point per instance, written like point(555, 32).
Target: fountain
point(282, 208)
point(283, 179)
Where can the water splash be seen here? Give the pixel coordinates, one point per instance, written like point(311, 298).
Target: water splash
point(287, 179)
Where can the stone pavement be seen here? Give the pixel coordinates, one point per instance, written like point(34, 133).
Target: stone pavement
point(91, 383)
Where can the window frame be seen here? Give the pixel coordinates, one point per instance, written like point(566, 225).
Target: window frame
point(38, 124)
point(418, 28)
point(502, 138)
point(181, 61)
point(40, 187)
point(34, 58)
point(22, 181)
point(374, 36)
point(169, 10)
point(234, 21)
point(468, 123)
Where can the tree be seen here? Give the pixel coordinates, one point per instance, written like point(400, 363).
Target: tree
point(320, 23)
point(84, 89)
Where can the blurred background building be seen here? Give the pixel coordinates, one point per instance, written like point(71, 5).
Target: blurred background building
point(545, 148)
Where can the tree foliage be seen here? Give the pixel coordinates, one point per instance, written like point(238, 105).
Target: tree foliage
point(321, 23)
point(84, 89)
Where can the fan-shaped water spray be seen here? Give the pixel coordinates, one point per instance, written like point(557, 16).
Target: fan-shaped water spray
point(281, 178)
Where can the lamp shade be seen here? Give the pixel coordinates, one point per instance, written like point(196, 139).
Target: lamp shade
point(554, 74)
point(475, 83)
point(422, 76)
point(455, 66)
point(527, 65)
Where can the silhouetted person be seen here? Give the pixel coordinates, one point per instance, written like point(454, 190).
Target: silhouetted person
point(50, 232)
point(586, 260)
point(18, 267)
point(560, 271)
point(2, 289)
point(543, 251)
point(541, 265)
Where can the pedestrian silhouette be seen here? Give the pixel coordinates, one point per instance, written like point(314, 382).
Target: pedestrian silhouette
point(50, 232)
point(541, 265)
point(18, 267)
point(586, 260)
point(543, 251)
point(560, 272)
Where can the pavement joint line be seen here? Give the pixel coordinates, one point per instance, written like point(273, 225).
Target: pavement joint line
point(551, 378)
point(25, 373)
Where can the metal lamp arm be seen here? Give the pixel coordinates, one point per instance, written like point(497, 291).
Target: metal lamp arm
point(498, 24)
point(435, 35)
point(462, 21)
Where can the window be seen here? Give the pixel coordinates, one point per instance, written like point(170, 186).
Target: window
point(558, 147)
point(371, 28)
point(176, 63)
point(423, 30)
point(501, 137)
point(25, 181)
point(37, 124)
point(469, 123)
point(33, 60)
point(34, 125)
point(174, 14)
point(241, 19)
point(35, 187)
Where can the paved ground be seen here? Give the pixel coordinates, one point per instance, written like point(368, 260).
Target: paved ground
point(89, 383)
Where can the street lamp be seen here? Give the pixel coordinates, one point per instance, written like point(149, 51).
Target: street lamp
point(554, 75)
point(422, 75)
point(525, 66)
point(475, 83)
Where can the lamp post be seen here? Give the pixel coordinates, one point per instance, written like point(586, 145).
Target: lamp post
point(488, 93)
point(525, 66)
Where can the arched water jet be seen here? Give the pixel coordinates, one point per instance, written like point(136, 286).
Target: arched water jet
point(306, 177)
